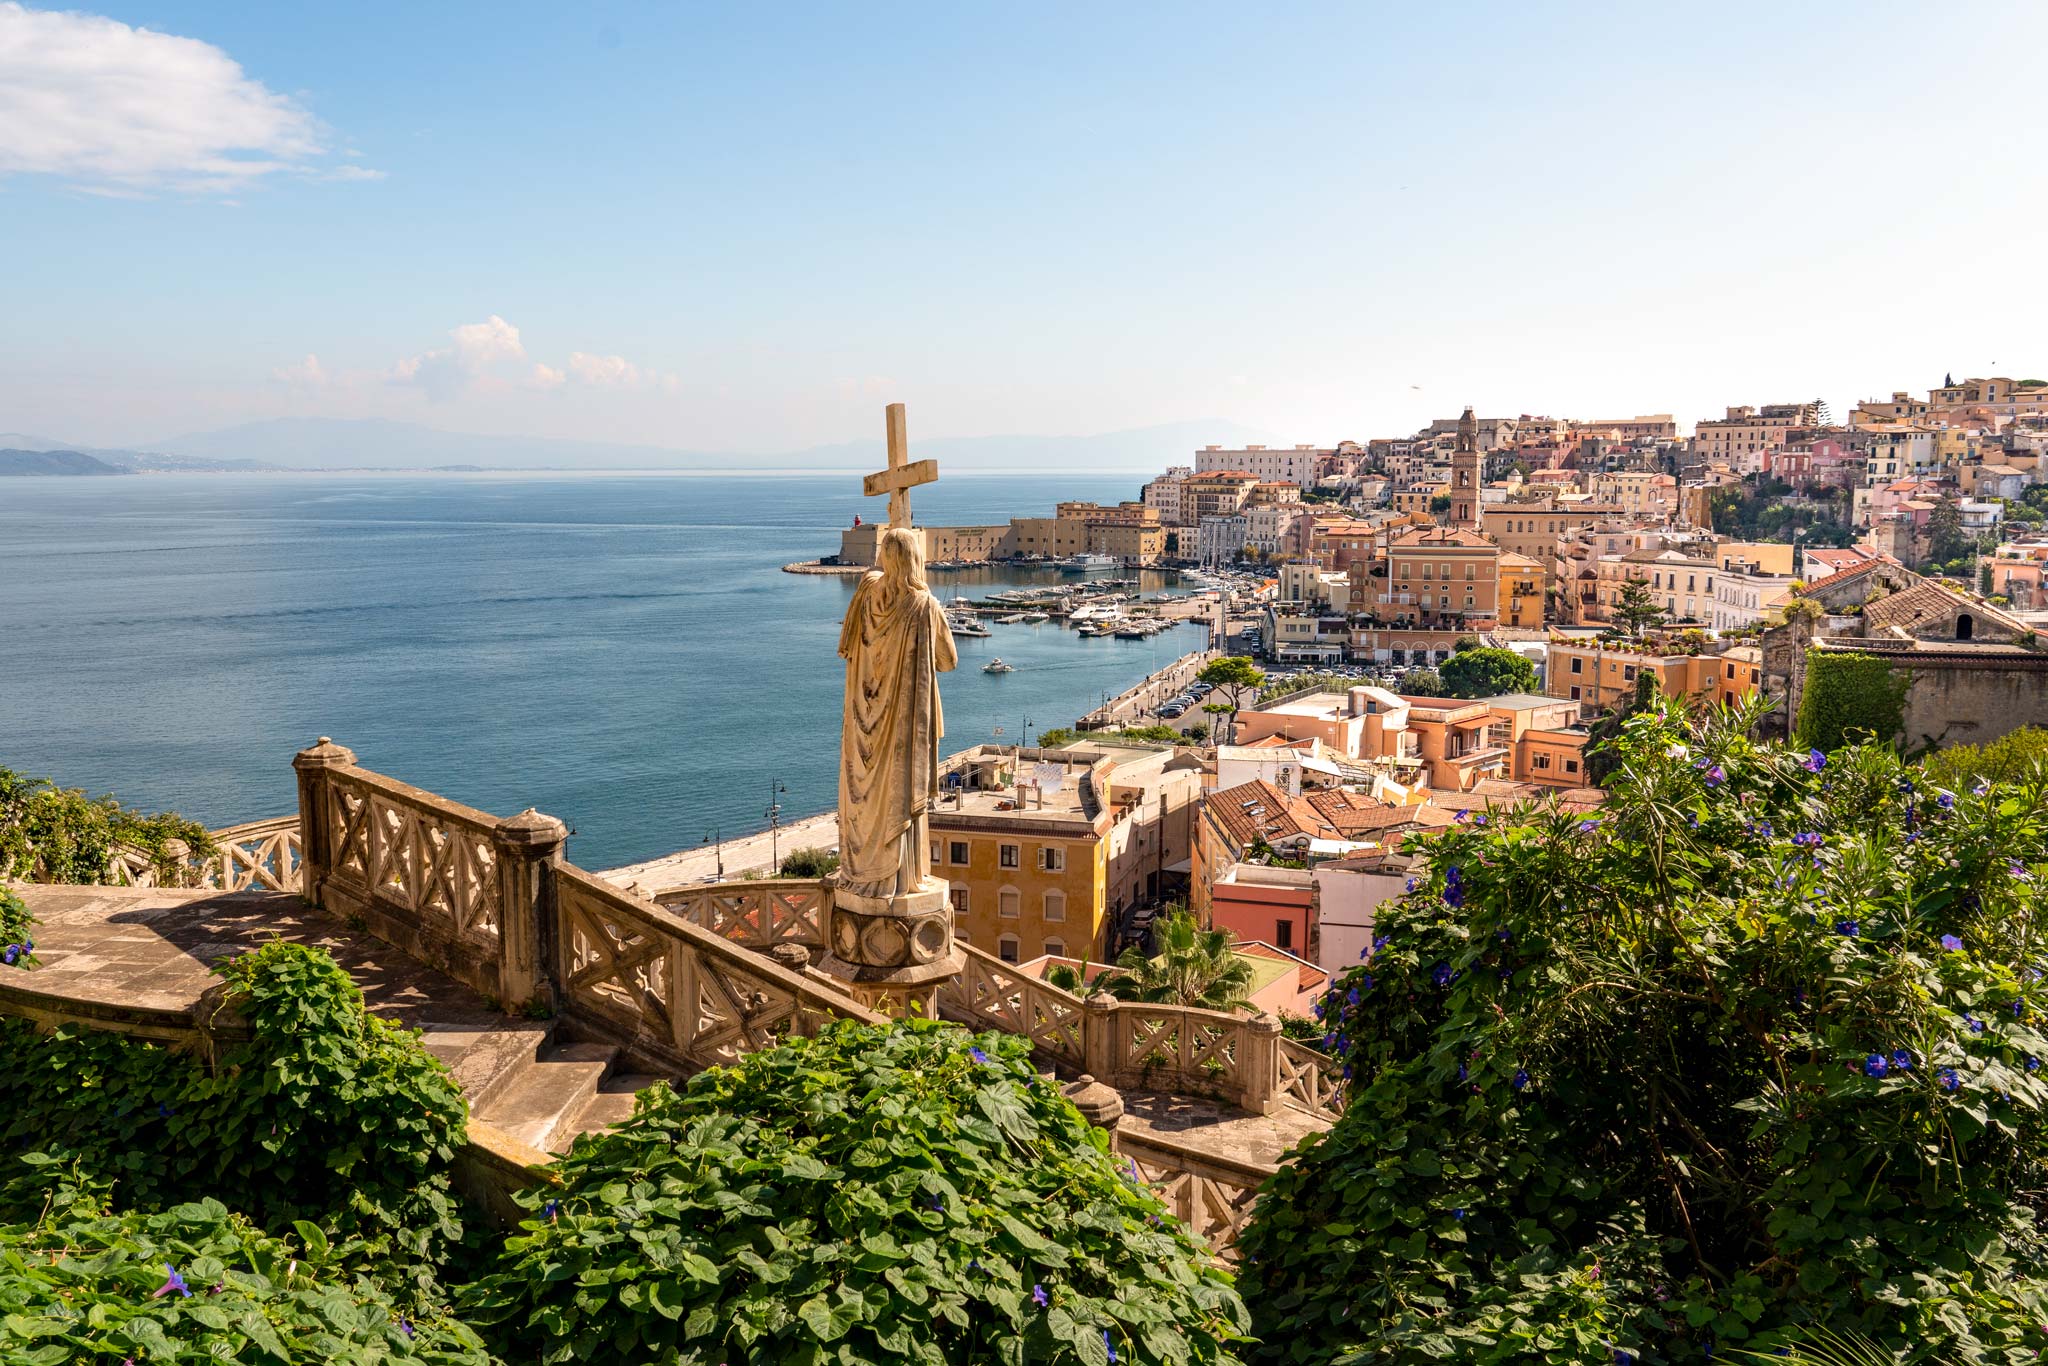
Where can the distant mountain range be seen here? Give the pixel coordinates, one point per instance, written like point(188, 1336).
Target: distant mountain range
point(53, 462)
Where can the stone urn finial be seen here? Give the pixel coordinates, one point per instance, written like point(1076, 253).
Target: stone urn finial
point(324, 754)
point(532, 829)
point(1100, 1105)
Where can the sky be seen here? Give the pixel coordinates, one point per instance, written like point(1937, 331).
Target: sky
point(745, 228)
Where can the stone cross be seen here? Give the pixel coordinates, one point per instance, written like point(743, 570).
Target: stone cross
point(903, 474)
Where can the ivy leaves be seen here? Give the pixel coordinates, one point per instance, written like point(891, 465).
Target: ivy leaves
point(876, 1194)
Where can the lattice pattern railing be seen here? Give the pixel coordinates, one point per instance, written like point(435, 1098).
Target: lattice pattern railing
point(1178, 1047)
point(426, 861)
point(1212, 1196)
point(989, 994)
point(672, 988)
point(756, 915)
point(258, 856)
point(1310, 1081)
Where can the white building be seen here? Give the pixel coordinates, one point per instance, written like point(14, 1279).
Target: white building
point(1273, 465)
point(1164, 493)
point(1743, 600)
point(1220, 540)
point(1269, 526)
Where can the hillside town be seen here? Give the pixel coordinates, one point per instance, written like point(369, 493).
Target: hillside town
point(1585, 563)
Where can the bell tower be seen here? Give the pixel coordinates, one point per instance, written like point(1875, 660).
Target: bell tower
point(1466, 464)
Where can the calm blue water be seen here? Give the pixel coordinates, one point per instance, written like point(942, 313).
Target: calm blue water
point(622, 652)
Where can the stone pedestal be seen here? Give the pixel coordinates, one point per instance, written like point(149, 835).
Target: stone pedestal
point(899, 948)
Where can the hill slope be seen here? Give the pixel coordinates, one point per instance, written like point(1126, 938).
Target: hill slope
point(53, 462)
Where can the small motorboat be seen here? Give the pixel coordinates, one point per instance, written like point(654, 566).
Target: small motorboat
point(966, 626)
point(996, 666)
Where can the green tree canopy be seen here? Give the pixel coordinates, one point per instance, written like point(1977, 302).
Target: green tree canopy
point(1946, 539)
point(1635, 609)
point(1603, 752)
point(1487, 672)
point(1749, 1054)
point(1421, 682)
point(809, 862)
point(1188, 966)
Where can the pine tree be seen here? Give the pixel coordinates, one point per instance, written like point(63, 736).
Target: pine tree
point(1635, 608)
point(1946, 539)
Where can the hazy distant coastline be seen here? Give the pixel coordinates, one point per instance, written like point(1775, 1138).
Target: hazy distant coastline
point(335, 445)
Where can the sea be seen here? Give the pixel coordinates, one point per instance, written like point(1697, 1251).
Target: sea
point(621, 651)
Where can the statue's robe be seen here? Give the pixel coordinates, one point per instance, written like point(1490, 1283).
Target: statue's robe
point(895, 643)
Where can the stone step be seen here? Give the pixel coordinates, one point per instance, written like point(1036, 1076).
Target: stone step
point(540, 1106)
point(613, 1103)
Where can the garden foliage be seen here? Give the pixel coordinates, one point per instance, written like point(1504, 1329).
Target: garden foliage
point(58, 834)
point(876, 1194)
point(1748, 1056)
point(1850, 697)
point(196, 1283)
point(325, 1115)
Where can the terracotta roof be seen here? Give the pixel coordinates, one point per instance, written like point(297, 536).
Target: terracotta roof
point(1258, 810)
point(1449, 538)
point(1354, 813)
point(1926, 601)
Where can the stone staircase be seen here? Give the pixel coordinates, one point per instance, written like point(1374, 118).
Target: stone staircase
point(562, 1090)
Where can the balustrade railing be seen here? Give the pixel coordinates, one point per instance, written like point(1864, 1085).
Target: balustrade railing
point(1202, 1052)
point(1211, 1194)
point(681, 992)
point(756, 915)
point(1310, 1080)
point(990, 994)
point(254, 856)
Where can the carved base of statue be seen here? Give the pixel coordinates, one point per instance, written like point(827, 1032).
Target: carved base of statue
point(897, 949)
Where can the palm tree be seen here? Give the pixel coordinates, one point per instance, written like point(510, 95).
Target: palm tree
point(1193, 967)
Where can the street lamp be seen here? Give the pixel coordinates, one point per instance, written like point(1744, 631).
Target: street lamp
point(716, 837)
point(774, 814)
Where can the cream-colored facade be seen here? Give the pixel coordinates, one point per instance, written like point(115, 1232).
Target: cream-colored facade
point(1747, 434)
point(1272, 464)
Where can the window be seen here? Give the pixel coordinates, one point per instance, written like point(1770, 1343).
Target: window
point(1006, 948)
point(1575, 692)
point(1283, 934)
point(1542, 761)
point(1006, 903)
point(1056, 948)
point(1052, 859)
point(1571, 765)
point(1009, 855)
point(1576, 663)
point(959, 848)
point(936, 860)
point(1628, 674)
point(1055, 905)
point(959, 899)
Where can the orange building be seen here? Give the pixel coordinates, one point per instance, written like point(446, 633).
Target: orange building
point(1601, 673)
point(1445, 577)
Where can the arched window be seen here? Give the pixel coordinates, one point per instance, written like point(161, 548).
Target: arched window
point(1056, 948)
point(1007, 903)
point(1006, 948)
point(1055, 905)
point(1965, 626)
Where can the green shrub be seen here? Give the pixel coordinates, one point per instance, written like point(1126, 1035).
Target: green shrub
point(876, 1194)
point(1850, 697)
point(809, 863)
point(17, 927)
point(2013, 758)
point(56, 834)
point(80, 1284)
point(326, 1114)
point(1749, 1054)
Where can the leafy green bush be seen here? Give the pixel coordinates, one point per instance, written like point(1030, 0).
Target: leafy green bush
point(2011, 758)
point(1748, 1055)
point(197, 1283)
point(17, 942)
point(56, 834)
point(1850, 697)
point(809, 863)
point(876, 1194)
point(326, 1114)
point(1486, 672)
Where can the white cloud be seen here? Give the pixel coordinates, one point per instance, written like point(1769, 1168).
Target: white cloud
point(123, 111)
point(449, 370)
point(545, 377)
point(307, 374)
point(616, 372)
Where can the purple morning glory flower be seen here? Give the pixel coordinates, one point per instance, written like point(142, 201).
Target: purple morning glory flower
point(1107, 1345)
point(1807, 839)
point(1946, 801)
point(1479, 820)
point(1622, 1358)
point(1461, 817)
point(1716, 776)
point(1459, 1215)
point(1521, 1078)
point(2033, 1063)
point(1976, 1025)
point(174, 1284)
point(1441, 974)
point(1902, 1060)
point(405, 1325)
point(1454, 888)
point(13, 951)
point(1382, 941)
point(1815, 761)
point(1462, 1076)
point(552, 1210)
point(1848, 928)
point(1980, 789)
point(1588, 826)
point(1411, 884)
point(1876, 1065)
point(1365, 982)
point(1039, 1297)
point(1951, 943)
point(978, 1055)
point(2018, 870)
point(1948, 1079)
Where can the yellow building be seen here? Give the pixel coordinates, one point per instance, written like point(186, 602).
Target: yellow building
point(1521, 590)
point(1600, 673)
point(1023, 839)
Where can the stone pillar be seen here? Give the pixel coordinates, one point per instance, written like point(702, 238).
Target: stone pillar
point(1102, 1106)
point(1099, 1042)
point(317, 824)
point(528, 846)
point(899, 947)
point(1260, 1065)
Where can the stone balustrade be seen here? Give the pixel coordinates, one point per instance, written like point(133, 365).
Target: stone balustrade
point(760, 914)
point(255, 856)
point(1210, 1193)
